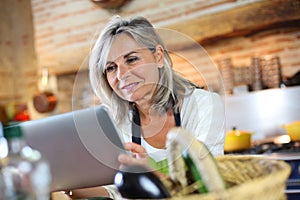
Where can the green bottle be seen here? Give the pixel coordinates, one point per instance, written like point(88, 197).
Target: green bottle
point(26, 173)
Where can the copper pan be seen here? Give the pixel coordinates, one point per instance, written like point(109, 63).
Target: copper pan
point(44, 101)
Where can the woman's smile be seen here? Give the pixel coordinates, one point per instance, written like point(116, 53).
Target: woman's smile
point(129, 88)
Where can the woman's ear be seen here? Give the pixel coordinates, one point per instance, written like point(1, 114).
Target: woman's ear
point(159, 55)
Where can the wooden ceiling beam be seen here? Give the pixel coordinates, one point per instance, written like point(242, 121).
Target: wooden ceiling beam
point(241, 20)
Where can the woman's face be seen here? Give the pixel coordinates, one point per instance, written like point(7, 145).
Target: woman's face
point(132, 70)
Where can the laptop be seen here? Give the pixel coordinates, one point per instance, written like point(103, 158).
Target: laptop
point(81, 146)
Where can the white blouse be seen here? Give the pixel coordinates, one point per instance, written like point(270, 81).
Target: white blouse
point(202, 114)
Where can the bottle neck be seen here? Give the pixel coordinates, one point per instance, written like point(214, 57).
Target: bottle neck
point(15, 145)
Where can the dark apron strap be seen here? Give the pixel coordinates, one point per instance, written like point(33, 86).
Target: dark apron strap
point(136, 125)
point(177, 118)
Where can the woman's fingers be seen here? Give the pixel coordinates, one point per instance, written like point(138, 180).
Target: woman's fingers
point(139, 155)
point(135, 148)
point(127, 160)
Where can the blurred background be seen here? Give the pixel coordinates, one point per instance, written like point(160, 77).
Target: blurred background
point(44, 45)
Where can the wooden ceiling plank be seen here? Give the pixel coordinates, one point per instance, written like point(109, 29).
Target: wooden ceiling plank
point(240, 20)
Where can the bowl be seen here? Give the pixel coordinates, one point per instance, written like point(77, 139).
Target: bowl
point(293, 130)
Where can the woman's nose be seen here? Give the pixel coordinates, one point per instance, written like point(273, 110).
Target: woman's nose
point(122, 71)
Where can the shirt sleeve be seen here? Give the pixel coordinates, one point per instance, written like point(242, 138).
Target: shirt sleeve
point(203, 115)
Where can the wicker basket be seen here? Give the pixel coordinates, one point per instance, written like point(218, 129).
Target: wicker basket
point(249, 177)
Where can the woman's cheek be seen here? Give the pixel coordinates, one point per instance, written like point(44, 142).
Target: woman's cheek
point(113, 82)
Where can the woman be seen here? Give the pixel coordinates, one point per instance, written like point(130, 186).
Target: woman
point(131, 72)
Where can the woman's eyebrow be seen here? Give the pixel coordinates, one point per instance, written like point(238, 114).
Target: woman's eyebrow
point(108, 63)
point(128, 54)
point(125, 56)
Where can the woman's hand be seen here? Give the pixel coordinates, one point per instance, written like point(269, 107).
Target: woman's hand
point(139, 155)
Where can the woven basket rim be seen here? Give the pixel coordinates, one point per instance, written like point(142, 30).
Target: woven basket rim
point(265, 184)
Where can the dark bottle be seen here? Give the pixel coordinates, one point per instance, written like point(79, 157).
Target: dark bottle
point(137, 182)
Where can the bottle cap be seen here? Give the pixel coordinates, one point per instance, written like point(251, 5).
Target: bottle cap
point(12, 131)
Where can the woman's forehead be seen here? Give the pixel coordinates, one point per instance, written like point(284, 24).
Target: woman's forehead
point(122, 44)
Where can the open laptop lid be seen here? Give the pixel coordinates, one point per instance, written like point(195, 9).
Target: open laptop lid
point(81, 146)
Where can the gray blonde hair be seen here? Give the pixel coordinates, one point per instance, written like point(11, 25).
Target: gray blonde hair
point(171, 86)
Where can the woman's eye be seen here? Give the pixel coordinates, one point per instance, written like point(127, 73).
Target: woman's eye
point(132, 59)
point(110, 68)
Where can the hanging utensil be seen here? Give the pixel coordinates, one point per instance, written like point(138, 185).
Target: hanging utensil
point(44, 101)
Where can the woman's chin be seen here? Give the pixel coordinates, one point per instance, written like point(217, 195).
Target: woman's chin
point(136, 98)
point(133, 99)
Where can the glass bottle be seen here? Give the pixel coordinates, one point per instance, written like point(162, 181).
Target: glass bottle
point(26, 174)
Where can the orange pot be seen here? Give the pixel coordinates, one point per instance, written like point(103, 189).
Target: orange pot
point(237, 140)
point(293, 130)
